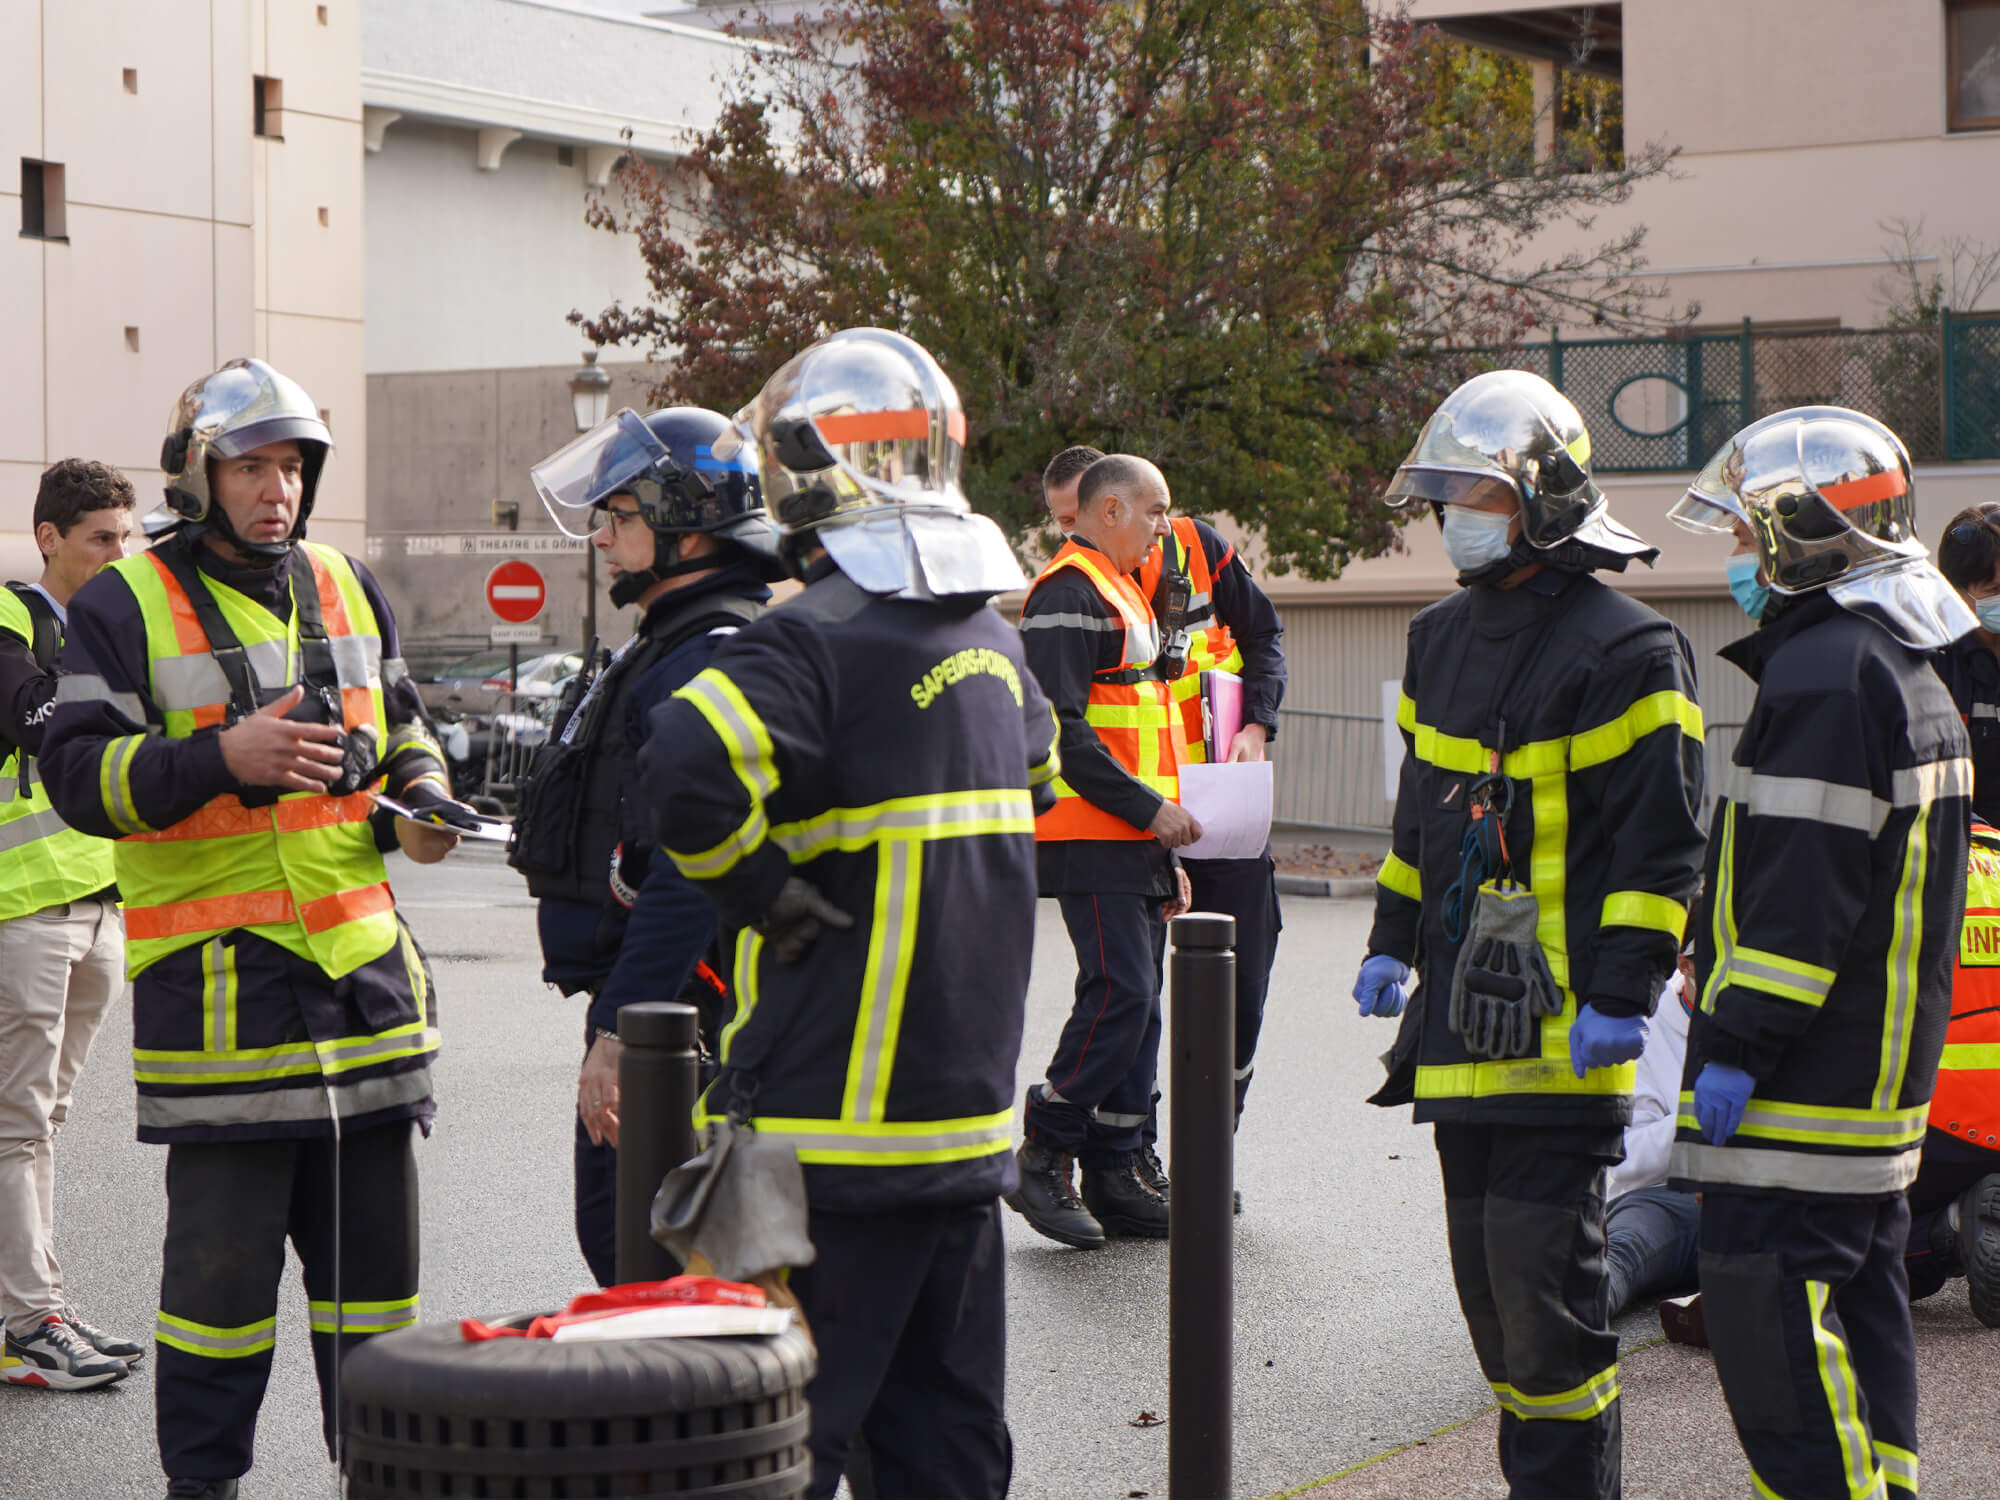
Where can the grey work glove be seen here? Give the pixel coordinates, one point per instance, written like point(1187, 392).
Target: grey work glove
point(792, 925)
point(1502, 985)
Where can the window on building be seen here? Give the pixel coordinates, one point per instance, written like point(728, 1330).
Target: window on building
point(268, 117)
point(1972, 34)
point(1549, 80)
point(44, 211)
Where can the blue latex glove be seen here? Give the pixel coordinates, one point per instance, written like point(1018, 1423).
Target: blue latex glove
point(1598, 1041)
point(1378, 990)
point(1720, 1095)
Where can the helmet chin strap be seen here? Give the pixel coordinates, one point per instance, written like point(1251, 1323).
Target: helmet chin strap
point(629, 586)
point(250, 554)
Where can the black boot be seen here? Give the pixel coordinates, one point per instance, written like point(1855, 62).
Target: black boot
point(201, 1489)
point(1123, 1203)
point(1047, 1199)
point(1979, 1247)
point(1154, 1175)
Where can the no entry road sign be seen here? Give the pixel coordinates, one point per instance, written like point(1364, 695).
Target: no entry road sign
point(516, 591)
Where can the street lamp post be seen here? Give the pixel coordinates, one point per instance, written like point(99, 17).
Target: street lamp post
point(590, 401)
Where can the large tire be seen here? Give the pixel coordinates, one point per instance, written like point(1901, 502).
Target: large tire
point(429, 1415)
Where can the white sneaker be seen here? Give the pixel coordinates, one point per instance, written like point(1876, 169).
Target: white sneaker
point(58, 1358)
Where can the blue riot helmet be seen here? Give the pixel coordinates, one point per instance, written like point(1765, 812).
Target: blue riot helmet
point(667, 463)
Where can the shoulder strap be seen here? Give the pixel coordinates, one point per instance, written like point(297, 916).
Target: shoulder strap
point(223, 643)
point(48, 629)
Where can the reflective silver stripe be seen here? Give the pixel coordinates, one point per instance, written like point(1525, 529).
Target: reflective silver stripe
point(298, 1102)
point(1899, 1465)
point(864, 825)
point(1986, 710)
point(1106, 1117)
point(117, 776)
point(1803, 1171)
point(9, 787)
point(88, 687)
point(319, 1317)
point(894, 878)
point(887, 1145)
point(1934, 779)
point(1197, 603)
point(253, 1339)
point(357, 660)
point(1895, 1127)
point(1738, 969)
point(1843, 806)
point(759, 775)
point(394, 668)
point(1902, 975)
point(36, 825)
point(346, 1056)
point(1071, 620)
point(1243, 1073)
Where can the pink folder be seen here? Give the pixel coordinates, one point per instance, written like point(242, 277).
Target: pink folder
point(1221, 711)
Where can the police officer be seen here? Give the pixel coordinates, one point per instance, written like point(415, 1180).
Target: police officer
point(1836, 882)
point(1104, 851)
point(226, 698)
point(1546, 844)
point(851, 779)
point(62, 940)
point(684, 538)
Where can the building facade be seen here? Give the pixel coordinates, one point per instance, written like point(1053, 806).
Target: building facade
point(186, 182)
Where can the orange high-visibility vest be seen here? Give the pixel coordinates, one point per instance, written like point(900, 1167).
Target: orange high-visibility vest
point(1966, 1102)
point(1135, 716)
point(1210, 645)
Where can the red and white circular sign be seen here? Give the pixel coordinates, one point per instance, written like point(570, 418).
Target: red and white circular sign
point(516, 591)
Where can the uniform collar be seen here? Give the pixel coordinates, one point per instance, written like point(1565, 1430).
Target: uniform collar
point(737, 579)
point(1784, 617)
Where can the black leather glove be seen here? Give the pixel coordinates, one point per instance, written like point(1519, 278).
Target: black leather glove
point(792, 924)
point(1502, 986)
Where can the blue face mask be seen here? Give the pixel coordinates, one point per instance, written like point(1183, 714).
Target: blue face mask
point(1988, 611)
point(1475, 539)
point(1750, 594)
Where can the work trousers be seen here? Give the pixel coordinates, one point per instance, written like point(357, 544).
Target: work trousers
point(596, 1197)
point(1246, 889)
point(1099, 1092)
point(1809, 1316)
point(59, 968)
point(1524, 1213)
point(1651, 1246)
point(230, 1208)
point(1949, 1166)
point(909, 1309)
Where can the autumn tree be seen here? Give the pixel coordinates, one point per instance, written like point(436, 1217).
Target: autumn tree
point(1228, 234)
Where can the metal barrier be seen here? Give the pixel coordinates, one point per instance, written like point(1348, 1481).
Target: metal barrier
point(518, 728)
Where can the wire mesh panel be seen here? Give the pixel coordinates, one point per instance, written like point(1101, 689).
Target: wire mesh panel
point(519, 727)
point(1328, 771)
point(1974, 387)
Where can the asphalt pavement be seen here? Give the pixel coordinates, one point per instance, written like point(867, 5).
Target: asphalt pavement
point(1349, 1347)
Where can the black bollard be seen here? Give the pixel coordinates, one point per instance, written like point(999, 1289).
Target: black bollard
point(657, 1077)
point(1201, 1295)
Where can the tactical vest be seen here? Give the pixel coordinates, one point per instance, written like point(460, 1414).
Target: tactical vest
point(1966, 1102)
point(566, 827)
point(1131, 709)
point(1210, 644)
point(302, 872)
point(43, 861)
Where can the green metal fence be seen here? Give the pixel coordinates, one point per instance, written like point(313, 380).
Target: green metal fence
point(1669, 403)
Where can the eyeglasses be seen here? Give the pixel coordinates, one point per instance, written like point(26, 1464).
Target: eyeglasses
point(604, 515)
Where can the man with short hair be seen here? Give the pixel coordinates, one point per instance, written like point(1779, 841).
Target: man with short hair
point(1105, 853)
point(62, 940)
point(228, 697)
point(1059, 484)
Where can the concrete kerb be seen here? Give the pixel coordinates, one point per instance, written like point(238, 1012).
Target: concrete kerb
point(1337, 887)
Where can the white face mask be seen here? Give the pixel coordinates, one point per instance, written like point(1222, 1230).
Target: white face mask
point(1475, 539)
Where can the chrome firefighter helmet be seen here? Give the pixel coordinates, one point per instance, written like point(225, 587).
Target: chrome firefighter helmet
point(860, 441)
point(1828, 498)
point(240, 408)
point(666, 462)
point(1514, 427)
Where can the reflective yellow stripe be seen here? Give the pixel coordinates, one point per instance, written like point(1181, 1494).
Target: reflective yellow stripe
point(885, 979)
point(1578, 1404)
point(1969, 1057)
point(1906, 939)
point(1401, 877)
point(363, 1317)
point(1644, 909)
point(1774, 974)
point(1762, 1490)
point(1843, 1399)
point(1549, 876)
point(1823, 1124)
point(1547, 1074)
point(114, 784)
point(1607, 742)
point(1722, 908)
point(1899, 1465)
point(748, 742)
point(749, 948)
point(218, 996)
point(1047, 768)
point(887, 1143)
point(1406, 714)
point(211, 1342)
point(931, 815)
point(1166, 786)
point(289, 1060)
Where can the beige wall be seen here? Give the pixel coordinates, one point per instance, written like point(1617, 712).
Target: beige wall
point(180, 226)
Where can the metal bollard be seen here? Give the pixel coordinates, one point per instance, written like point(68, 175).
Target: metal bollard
point(1201, 1295)
point(657, 1077)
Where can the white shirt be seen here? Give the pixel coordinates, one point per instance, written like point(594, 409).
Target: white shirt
point(1656, 1100)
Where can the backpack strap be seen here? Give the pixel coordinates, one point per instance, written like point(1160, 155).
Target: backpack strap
point(316, 664)
point(48, 629)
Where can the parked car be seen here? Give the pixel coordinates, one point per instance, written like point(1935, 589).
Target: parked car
point(474, 684)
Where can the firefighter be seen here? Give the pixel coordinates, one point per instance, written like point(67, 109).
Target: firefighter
point(685, 539)
point(1955, 1199)
point(1969, 557)
point(853, 780)
point(226, 699)
point(1546, 842)
point(1105, 852)
point(1836, 884)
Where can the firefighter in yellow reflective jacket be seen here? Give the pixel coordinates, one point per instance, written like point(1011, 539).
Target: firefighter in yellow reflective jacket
point(225, 699)
point(1835, 892)
point(854, 780)
point(1547, 839)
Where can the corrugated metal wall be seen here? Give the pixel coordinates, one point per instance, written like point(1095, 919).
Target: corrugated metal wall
point(1329, 773)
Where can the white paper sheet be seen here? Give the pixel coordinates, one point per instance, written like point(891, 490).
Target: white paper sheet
point(1233, 805)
